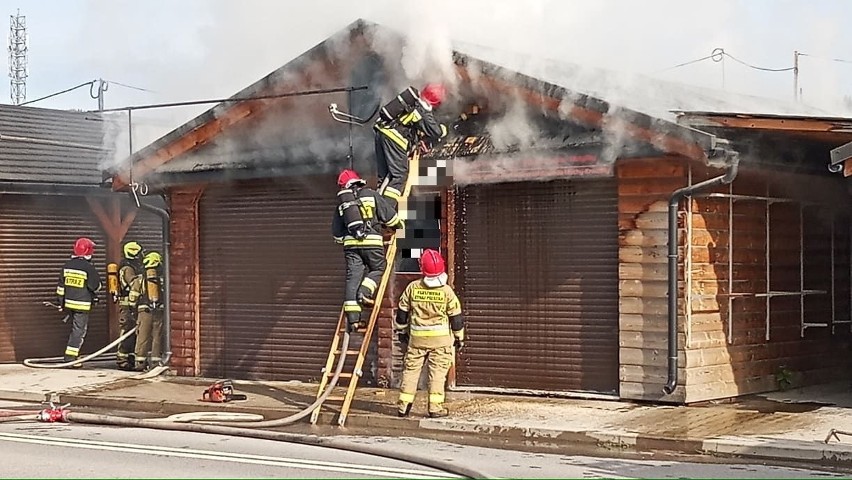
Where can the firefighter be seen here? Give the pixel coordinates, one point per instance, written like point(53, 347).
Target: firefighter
point(357, 225)
point(77, 290)
point(401, 122)
point(429, 324)
point(146, 293)
point(131, 267)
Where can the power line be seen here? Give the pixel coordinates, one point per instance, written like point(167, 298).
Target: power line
point(839, 60)
point(686, 63)
point(130, 86)
point(756, 67)
point(59, 93)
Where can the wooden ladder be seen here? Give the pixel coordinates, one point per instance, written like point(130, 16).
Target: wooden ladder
point(334, 352)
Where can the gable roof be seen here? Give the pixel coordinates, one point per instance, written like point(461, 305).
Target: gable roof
point(654, 97)
point(46, 146)
point(199, 133)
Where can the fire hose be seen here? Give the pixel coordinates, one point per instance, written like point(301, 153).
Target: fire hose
point(184, 423)
point(40, 362)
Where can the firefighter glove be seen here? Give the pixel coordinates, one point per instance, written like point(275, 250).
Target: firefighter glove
point(403, 337)
point(459, 344)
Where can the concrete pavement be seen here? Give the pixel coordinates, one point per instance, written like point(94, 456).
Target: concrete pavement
point(785, 426)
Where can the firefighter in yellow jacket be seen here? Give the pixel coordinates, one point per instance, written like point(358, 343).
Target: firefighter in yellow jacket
point(147, 294)
point(429, 320)
point(131, 267)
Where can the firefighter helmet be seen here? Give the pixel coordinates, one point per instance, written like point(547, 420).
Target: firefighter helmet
point(132, 250)
point(152, 260)
point(349, 177)
point(431, 263)
point(84, 247)
point(434, 94)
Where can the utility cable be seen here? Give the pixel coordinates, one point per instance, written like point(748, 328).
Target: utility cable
point(839, 60)
point(130, 86)
point(686, 63)
point(58, 93)
point(756, 67)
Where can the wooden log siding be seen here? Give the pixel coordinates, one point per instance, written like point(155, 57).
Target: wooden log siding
point(183, 265)
point(644, 187)
point(717, 366)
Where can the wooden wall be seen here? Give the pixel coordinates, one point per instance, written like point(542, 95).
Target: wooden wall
point(644, 187)
point(724, 361)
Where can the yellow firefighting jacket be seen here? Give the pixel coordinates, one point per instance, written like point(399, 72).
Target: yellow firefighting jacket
point(126, 274)
point(138, 295)
point(375, 212)
point(430, 311)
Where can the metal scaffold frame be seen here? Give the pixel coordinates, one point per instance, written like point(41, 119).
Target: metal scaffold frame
point(768, 294)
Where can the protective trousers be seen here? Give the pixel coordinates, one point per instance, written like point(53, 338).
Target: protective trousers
point(364, 269)
point(149, 338)
point(126, 321)
point(79, 326)
point(392, 168)
point(439, 360)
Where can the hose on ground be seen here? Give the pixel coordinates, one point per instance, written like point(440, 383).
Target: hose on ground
point(38, 362)
point(307, 410)
point(312, 440)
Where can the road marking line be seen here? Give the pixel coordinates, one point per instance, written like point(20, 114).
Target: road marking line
point(225, 456)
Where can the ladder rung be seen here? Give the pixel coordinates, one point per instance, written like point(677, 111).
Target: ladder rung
point(335, 398)
point(348, 352)
point(342, 375)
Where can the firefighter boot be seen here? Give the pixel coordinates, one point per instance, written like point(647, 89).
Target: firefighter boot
point(364, 297)
point(354, 322)
point(403, 409)
point(438, 411)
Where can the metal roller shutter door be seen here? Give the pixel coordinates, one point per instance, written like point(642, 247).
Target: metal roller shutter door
point(37, 234)
point(539, 284)
point(271, 280)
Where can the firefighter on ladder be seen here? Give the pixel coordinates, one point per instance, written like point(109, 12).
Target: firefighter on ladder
point(146, 293)
point(401, 122)
point(131, 267)
point(77, 290)
point(357, 225)
point(429, 322)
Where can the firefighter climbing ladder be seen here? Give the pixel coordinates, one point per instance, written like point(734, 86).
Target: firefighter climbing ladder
point(355, 375)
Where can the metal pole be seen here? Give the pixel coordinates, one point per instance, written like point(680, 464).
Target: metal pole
point(731, 263)
point(795, 75)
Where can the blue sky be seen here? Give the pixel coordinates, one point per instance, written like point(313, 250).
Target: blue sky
point(192, 49)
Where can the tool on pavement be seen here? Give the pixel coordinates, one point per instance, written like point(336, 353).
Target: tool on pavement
point(221, 391)
point(53, 413)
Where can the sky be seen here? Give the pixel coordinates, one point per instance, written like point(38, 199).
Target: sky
point(205, 49)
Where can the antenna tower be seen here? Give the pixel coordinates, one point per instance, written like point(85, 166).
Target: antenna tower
point(18, 69)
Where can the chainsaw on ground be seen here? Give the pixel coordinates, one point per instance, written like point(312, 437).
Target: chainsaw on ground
point(221, 391)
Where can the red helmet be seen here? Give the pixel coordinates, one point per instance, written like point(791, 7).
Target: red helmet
point(434, 94)
point(431, 263)
point(84, 247)
point(347, 178)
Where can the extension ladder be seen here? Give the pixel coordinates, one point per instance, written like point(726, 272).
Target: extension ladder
point(334, 352)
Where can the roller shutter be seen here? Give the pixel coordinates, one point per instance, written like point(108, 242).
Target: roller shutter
point(37, 234)
point(538, 278)
point(271, 279)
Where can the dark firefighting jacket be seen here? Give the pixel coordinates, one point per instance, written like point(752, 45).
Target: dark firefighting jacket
point(78, 285)
point(404, 130)
point(375, 211)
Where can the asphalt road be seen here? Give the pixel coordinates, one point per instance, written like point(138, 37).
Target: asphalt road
point(39, 450)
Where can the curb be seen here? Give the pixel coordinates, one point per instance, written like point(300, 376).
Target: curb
point(18, 396)
point(758, 448)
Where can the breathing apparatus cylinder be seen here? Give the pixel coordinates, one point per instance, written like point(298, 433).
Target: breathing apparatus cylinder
point(350, 210)
point(112, 280)
point(400, 105)
point(152, 285)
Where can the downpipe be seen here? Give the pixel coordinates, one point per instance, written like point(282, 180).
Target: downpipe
point(674, 203)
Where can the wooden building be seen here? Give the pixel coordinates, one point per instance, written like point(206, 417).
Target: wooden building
point(51, 194)
point(554, 222)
